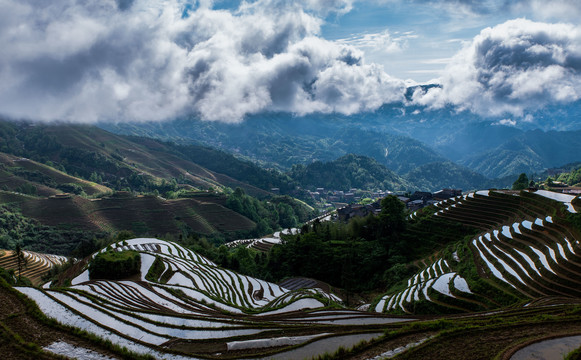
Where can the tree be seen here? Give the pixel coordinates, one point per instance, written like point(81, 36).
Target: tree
point(521, 183)
point(115, 265)
point(20, 259)
point(95, 177)
point(391, 221)
point(287, 218)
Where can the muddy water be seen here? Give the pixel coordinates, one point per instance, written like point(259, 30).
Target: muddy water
point(554, 349)
point(320, 347)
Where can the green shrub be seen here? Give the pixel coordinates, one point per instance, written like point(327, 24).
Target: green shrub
point(71, 188)
point(156, 270)
point(8, 275)
point(114, 265)
point(574, 355)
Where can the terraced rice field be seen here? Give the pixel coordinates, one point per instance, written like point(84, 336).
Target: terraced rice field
point(37, 264)
point(526, 248)
point(431, 284)
point(183, 304)
point(263, 244)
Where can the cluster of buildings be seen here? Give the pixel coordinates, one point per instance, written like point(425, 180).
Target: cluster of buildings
point(413, 202)
point(339, 198)
point(419, 199)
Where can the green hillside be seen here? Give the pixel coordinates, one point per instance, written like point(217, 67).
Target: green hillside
point(441, 175)
point(118, 183)
point(349, 171)
point(117, 162)
point(285, 140)
point(227, 164)
point(401, 142)
point(571, 175)
point(28, 176)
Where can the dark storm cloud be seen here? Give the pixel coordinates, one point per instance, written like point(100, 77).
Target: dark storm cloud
point(124, 4)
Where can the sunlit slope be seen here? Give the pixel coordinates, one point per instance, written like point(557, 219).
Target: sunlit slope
point(143, 156)
point(181, 301)
point(16, 172)
point(528, 250)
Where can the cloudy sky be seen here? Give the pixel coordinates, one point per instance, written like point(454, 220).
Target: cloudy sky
point(155, 60)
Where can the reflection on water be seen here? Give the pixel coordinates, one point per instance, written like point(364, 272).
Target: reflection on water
point(320, 347)
point(554, 349)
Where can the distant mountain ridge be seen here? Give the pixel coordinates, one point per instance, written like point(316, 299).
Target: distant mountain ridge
point(272, 140)
point(283, 140)
point(531, 151)
point(404, 142)
point(440, 175)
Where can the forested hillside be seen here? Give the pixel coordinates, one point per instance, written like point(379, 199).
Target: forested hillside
point(118, 162)
point(282, 141)
point(349, 171)
point(532, 151)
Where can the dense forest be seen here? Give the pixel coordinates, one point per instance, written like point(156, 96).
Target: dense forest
point(571, 177)
point(16, 229)
point(242, 170)
point(346, 172)
point(269, 215)
point(363, 254)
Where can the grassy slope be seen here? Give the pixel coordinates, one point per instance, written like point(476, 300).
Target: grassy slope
point(12, 180)
point(144, 214)
point(121, 157)
point(85, 149)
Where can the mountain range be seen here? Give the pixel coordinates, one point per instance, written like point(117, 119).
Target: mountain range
point(405, 140)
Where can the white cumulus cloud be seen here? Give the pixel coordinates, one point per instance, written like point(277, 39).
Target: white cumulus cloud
point(142, 60)
point(512, 68)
